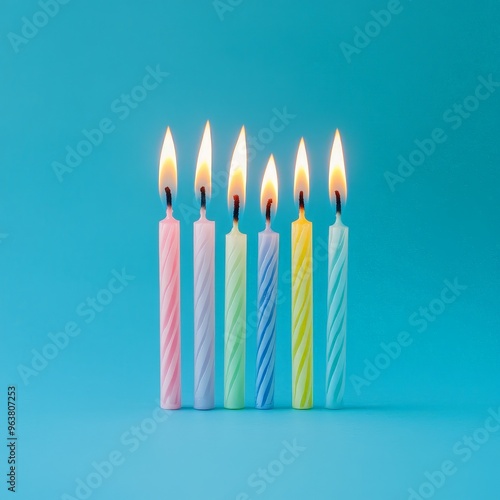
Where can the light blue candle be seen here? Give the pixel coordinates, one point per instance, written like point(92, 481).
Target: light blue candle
point(268, 252)
point(337, 284)
point(337, 308)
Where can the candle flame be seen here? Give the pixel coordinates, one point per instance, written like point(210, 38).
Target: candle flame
point(203, 176)
point(168, 166)
point(337, 179)
point(238, 171)
point(301, 181)
point(269, 188)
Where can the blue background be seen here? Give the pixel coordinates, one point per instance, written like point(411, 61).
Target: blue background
point(61, 241)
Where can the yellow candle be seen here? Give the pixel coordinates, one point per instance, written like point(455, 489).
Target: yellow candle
point(302, 291)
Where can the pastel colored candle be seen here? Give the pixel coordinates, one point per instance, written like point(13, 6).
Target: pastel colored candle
point(169, 252)
point(302, 291)
point(268, 252)
point(337, 283)
point(235, 285)
point(204, 284)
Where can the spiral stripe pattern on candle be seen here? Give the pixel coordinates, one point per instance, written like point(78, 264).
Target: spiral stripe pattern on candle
point(302, 317)
point(336, 321)
point(266, 326)
point(169, 318)
point(235, 327)
point(204, 317)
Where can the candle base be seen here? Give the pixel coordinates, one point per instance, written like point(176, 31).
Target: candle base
point(264, 407)
point(170, 406)
point(203, 408)
point(335, 406)
point(308, 407)
point(204, 404)
point(234, 407)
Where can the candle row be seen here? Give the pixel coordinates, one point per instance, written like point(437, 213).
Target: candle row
point(235, 286)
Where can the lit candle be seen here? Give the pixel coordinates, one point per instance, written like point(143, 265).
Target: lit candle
point(235, 299)
point(302, 291)
point(169, 238)
point(267, 292)
point(337, 283)
point(204, 292)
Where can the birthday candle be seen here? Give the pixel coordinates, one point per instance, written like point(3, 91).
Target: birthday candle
point(204, 292)
point(169, 239)
point(302, 291)
point(267, 293)
point(337, 283)
point(235, 298)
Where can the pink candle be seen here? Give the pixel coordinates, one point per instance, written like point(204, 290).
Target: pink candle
point(170, 320)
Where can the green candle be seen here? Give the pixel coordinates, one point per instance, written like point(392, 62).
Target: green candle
point(235, 297)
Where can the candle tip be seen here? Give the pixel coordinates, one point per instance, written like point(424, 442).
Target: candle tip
point(301, 200)
point(338, 202)
point(203, 197)
point(236, 211)
point(169, 197)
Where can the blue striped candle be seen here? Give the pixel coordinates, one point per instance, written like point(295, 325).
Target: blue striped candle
point(268, 252)
point(337, 284)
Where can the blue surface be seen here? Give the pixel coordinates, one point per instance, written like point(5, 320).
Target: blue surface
point(62, 238)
